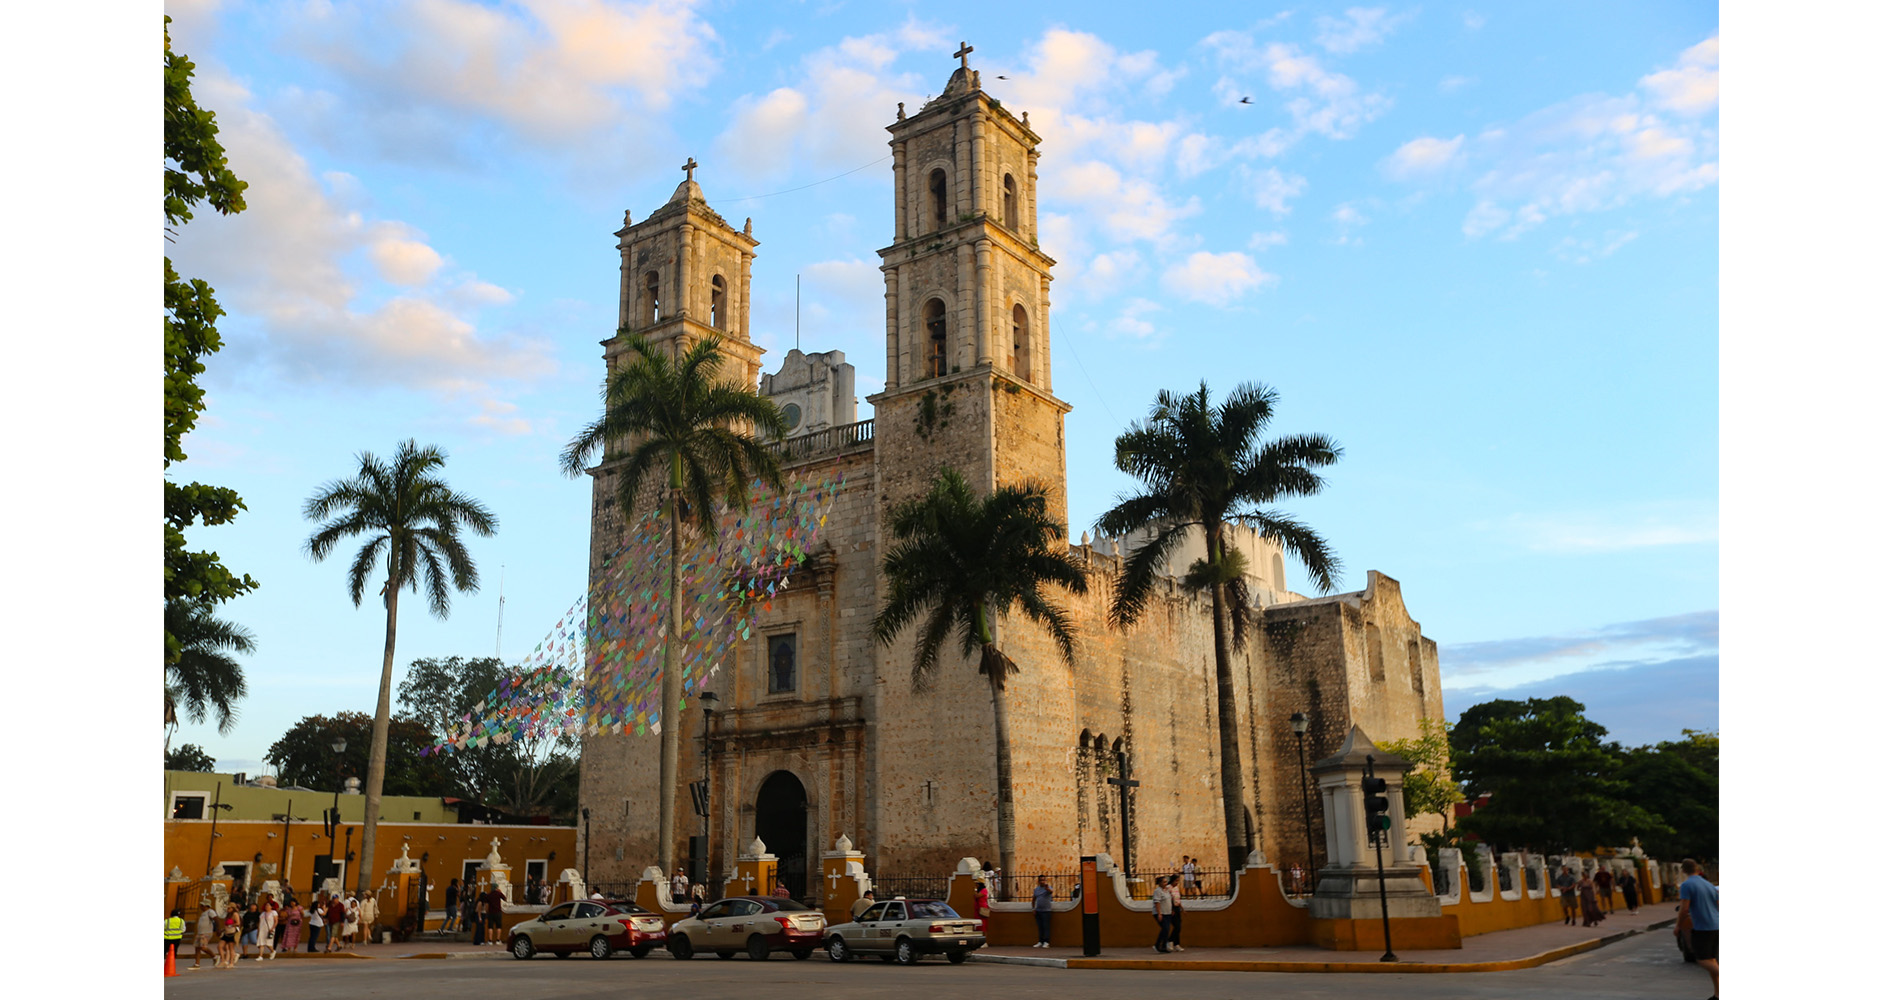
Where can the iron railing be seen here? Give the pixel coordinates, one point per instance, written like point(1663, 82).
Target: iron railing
point(1022, 888)
point(910, 886)
point(1207, 882)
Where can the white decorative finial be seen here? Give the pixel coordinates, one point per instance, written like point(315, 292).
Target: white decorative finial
point(757, 847)
point(843, 844)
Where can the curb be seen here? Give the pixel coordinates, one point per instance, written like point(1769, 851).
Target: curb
point(452, 955)
point(1047, 963)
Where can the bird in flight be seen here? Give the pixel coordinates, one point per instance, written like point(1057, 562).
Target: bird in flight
point(1000, 76)
point(1246, 100)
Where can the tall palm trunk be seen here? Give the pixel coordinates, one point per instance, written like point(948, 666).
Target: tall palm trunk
point(378, 742)
point(1005, 761)
point(1232, 786)
point(670, 683)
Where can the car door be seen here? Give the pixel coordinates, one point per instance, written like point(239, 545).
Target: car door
point(875, 934)
point(548, 936)
point(589, 919)
point(711, 924)
point(743, 922)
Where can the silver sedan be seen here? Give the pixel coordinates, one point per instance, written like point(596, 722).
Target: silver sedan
point(903, 931)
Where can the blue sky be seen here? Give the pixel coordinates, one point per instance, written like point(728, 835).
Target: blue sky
point(1475, 243)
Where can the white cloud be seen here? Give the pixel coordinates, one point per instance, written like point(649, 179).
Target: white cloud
point(1636, 526)
point(399, 257)
point(1584, 251)
point(1216, 278)
point(1454, 83)
point(1347, 218)
point(1130, 323)
point(1694, 85)
point(1108, 273)
point(1330, 104)
point(1270, 189)
point(1124, 208)
point(1473, 20)
point(1362, 26)
point(1261, 241)
point(499, 416)
point(1423, 155)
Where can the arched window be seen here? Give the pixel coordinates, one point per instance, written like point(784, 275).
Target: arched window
point(1279, 572)
point(939, 198)
point(936, 342)
point(1101, 744)
point(1009, 201)
point(1375, 653)
point(1086, 739)
point(651, 303)
point(1019, 337)
point(1417, 665)
point(717, 318)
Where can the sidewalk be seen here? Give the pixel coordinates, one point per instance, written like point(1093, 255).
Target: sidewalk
point(422, 946)
point(1500, 951)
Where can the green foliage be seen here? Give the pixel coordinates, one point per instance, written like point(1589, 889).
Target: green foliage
point(196, 172)
point(1679, 780)
point(1554, 784)
point(190, 757)
point(959, 561)
point(204, 679)
point(1429, 789)
point(539, 776)
point(302, 756)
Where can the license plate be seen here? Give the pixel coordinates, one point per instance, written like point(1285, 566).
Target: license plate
point(961, 941)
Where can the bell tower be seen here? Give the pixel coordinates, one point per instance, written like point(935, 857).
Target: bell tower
point(685, 275)
point(966, 302)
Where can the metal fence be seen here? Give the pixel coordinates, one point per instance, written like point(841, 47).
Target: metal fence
point(1206, 882)
point(1022, 888)
point(910, 886)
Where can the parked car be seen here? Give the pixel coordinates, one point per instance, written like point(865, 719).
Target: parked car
point(905, 930)
point(756, 925)
point(599, 927)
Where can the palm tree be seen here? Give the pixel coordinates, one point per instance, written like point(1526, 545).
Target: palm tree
point(205, 678)
point(1199, 464)
point(678, 419)
point(960, 562)
point(413, 521)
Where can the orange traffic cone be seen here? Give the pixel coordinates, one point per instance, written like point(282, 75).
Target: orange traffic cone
point(171, 960)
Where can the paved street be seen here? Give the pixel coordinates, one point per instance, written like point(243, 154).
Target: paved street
point(1645, 966)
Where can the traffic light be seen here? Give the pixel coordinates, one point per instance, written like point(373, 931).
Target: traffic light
point(1376, 804)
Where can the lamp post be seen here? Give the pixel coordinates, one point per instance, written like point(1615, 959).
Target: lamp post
point(708, 703)
point(1306, 804)
point(587, 842)
point(333, 818)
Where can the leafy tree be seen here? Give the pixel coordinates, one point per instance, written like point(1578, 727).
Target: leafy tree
point(190, 757)
point(1429, 789)
point(677, 420)
point(196, 172)
point(1201, 465)
point(303, 756)
point(1679, 780)
point(204, 678)
point(1553, 782)
point(535, 776)
point(414, 523)
point(963, 563)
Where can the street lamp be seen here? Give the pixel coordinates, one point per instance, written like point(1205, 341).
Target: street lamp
point(587, 842)
point(1306, 804)
point(707, 702)
point(334, 817)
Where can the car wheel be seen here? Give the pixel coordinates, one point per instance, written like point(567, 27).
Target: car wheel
point(837, 950)
point(756, 949)
point(679, 947)
point(906, 952)
point(641, 952)
point(600, 947)
point(801, 953)
point(522, 947)
point(956, 957)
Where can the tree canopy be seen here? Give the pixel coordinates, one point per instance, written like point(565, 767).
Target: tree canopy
point(1554, 784)
point(539, 776)
point(302, 756)
point(1679, 781)
point(1429, 789)
point(190, 757)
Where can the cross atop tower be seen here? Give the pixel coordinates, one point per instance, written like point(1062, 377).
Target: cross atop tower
point(963, 53)
point(690, 164)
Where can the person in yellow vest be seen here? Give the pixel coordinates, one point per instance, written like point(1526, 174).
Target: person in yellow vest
point(174, 932)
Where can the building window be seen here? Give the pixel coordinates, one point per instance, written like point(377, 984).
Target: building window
point(188, 807)
point(1418, 667)
point(781, 672)
point(1019, 335)
point(937, 346)
point(651, 306)
point(939, 198)
point(1375, 653)
point(1009, 201)
point(718, 315)
point(1279, 572)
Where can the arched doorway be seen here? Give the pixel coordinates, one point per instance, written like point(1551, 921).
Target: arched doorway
point(781, 824)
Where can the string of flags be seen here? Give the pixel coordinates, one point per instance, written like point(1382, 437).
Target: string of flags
point(598, 669)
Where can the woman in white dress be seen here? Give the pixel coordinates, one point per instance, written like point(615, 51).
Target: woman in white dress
point(267, 929)
point(351, 911)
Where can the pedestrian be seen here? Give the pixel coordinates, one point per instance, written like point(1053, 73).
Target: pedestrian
point(699, 893)
point(982, 907)
point(470, 911)
point(266, 928)
point(293, 924)
point(1174, 891)
point(367, 914)
point(1627, 883)
point(1190, 877)
point(1566, 884)
point(1605, 884)
point(1698, 914)
point(352, 920)
point(228, 935)
point(451, 898)
point(679, 885)
point(862, 903)
point(1043, 904)
point(1587, 896)
point(249, 926)
point(491, 911)
point(174, 934)
point(475, 910)
point(1164, 914)
point(315, 917)
point(780, 892)
point(335, 918)
point(204, 934)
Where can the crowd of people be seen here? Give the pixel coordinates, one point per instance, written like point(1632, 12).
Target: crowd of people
point(332, 922)
point(1589, 899)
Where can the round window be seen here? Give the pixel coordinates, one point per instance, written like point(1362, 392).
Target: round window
point(792, 416)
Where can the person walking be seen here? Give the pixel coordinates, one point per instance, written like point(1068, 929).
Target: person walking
point(1164, 914)
point(491, 913)
point(1587, 896)
point(475, 908)
point(1043, 904)
point(780, 892)
point(1566, 884)
point(293, 924)
point(450, 905)
point(249, 926)
point(174, 934)
point(1627, 883)
point(204, 934)
point(228, 935)
point(982, 907)
point(470, 911)
point(367, 913)
point(1698, 913)
point(1606, 884)
point(1174, 891)
point(266, 928)
point(352, 912)
point(1191, 877)
point(315, 918)
point(679, 885)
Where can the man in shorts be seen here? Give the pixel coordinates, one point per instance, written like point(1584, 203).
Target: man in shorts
point(1566, 884)
point(205, 935)
point(1697, 913)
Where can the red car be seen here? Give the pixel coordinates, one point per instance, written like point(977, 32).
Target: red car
point(599, 927)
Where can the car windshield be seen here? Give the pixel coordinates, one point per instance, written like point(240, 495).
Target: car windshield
point(789, 905)
point(932, 909)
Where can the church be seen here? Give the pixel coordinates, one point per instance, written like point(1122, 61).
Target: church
point(817, 731)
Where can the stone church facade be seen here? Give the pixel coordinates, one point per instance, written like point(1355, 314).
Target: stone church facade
point(818, 730)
